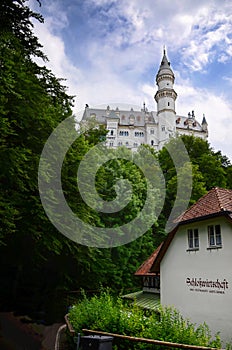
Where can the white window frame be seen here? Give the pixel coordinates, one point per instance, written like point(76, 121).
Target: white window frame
point(193, 239)
point(214, 236)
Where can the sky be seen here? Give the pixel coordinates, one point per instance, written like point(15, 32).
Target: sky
point(109, 52)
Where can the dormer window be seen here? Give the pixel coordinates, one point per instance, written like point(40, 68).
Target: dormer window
point(214, 236)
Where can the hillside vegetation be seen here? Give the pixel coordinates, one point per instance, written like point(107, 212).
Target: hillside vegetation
point(38, 265)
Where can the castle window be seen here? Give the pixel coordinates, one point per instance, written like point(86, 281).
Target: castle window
point(139, 134)
point(123, 133)
point(163, 128)
point(111, 132)
point(168, 103)
point(193, 239)
point(214, 236)
point(152, 131)
point(152, 143)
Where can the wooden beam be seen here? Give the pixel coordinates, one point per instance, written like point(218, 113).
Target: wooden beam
point(150, 341)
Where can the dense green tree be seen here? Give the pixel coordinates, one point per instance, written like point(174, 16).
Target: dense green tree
point(37, 262)
point(206, 169)
point(213, 165)
point(32, 103)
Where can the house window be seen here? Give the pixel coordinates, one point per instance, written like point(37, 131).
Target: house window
point(214, 236)
point(193, 239)
point(151, 281)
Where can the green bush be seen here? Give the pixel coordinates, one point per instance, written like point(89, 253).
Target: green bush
point(110, 314)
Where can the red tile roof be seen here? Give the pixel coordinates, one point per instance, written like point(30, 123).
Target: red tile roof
point(217, 200)
point(144, 269)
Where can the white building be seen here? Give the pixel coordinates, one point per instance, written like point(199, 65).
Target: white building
point(194, 263)
point(133, 128)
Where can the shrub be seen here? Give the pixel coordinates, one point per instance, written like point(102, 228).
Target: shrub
point(109, 314)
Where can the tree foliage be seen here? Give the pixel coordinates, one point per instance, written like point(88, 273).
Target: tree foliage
point(37, 261)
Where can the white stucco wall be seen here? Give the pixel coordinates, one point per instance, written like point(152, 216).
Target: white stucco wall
point(208, 304)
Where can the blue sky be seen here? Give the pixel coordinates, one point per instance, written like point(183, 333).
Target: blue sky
point(110, 51)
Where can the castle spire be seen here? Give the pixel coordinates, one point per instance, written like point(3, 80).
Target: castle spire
point(164, 66)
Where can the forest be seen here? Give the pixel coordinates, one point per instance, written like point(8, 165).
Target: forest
point(41, 270)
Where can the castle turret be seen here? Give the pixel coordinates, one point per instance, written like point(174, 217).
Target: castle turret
point(204, 125)
point(165, 98)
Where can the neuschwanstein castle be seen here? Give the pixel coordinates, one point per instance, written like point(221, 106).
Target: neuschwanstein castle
point(133, 128)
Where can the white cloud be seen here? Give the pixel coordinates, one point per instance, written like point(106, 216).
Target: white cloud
point(216, 110)
point(209, 38)
point(129, 43)
point(59, 62)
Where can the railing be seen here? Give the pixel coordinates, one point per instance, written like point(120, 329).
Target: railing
point(150, 341)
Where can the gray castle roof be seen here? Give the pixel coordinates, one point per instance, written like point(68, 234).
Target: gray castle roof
point(164, 67)
point(140, 118)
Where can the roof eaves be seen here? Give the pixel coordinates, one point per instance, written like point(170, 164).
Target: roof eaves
point(144, 269)
point(223, 212)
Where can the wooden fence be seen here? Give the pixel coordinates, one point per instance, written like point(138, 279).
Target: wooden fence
point(149, 341)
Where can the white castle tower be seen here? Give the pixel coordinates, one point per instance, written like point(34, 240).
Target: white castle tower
point(165, 98)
